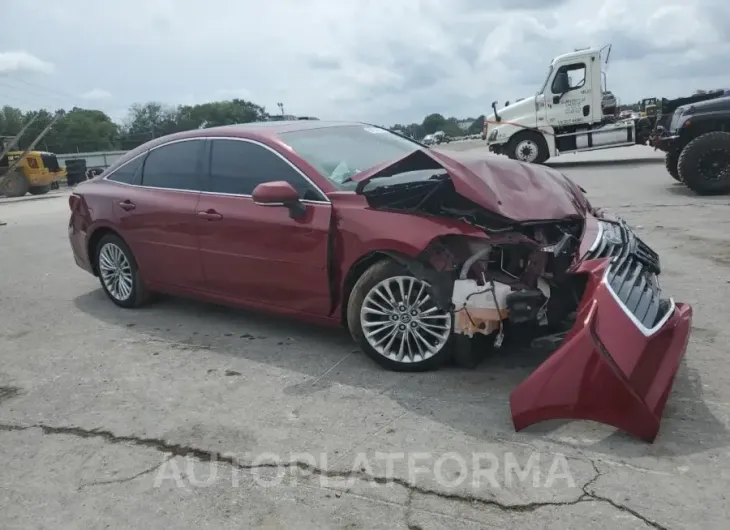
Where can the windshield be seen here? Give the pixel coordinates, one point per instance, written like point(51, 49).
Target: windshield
point(550, 71)
point(339, 153)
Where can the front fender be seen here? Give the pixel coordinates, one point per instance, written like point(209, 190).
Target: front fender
point(359, 240)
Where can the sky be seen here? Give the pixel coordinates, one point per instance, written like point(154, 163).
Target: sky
point(378, 61)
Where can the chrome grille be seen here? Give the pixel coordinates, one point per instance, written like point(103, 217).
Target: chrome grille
point(632, 274)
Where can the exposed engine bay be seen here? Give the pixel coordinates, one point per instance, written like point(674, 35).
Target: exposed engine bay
point(518, 275)
point(544, 265)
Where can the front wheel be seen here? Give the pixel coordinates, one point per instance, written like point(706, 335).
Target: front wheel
point(671, 159)
point(394, 318)
point(13, 185)
point(704, 165)
point(527, 147)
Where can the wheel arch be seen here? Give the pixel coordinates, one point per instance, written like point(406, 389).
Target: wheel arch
point(357, 269)
point(93, 242)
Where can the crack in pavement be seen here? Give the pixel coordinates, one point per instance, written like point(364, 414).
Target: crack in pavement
point(204, 455)
point(124, 479)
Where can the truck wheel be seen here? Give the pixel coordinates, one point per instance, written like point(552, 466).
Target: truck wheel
point(671, 159)
point(13, 185)
point(704, 165)
point(39, 190)
point(527, 147)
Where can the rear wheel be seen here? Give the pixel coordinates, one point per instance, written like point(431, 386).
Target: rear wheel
point(39, 190)
point(14, 184)
point(118, 272)
point(704, 165)
point(394, 318)
point(527, 147)
point(671, 159)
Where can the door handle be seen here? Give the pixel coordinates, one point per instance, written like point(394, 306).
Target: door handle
point(210, 215)
point(127, 205)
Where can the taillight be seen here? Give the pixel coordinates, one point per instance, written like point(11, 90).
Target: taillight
point(32, 163)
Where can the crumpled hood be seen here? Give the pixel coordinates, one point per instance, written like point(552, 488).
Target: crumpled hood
point(514, 190)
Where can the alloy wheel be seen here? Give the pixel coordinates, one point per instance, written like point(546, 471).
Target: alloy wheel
point(116, 272)
point(401, 321)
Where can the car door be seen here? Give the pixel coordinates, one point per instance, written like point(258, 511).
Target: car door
point(158, 214)
point(258, 253)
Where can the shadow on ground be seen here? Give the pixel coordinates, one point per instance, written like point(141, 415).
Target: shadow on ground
point(474, 402)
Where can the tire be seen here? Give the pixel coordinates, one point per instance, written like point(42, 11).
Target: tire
point(704, 165)
point(529, 147)
point(14, 185)
point(39, 190)
point(671, 159)
point(364, 299)
point(111, 248)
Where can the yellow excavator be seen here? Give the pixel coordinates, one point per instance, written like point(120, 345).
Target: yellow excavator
point(28, 171)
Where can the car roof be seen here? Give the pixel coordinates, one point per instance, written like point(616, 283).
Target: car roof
point(271, 128)
point(254, 130)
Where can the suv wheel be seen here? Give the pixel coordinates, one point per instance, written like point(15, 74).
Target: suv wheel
point(704, 165)
point(671, 159)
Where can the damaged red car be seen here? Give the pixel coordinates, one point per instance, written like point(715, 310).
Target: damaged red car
point(415, 251)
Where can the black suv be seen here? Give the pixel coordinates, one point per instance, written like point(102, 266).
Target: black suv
point(697, 144)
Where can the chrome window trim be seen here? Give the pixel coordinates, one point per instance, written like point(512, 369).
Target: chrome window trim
point(235, 138)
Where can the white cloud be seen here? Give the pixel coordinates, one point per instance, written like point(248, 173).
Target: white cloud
point(380, 61)
point(21, 61)
point(96, 94)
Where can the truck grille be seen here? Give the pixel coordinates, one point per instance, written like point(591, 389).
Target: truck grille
point(633, 273)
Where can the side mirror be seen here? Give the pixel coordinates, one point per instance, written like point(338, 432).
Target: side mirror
point(279, 193)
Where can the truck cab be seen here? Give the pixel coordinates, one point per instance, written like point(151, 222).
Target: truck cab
point(570, 113)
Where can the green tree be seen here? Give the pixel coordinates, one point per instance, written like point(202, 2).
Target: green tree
point(11, 121)
point(433, 123)
point(147, 121)
point(477, 126)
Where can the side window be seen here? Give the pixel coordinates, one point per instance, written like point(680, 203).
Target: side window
point(174, 166)
point(129, 173)
point(238, 167)
point(576, 77)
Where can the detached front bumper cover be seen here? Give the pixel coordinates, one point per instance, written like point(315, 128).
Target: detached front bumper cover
point(617, 364)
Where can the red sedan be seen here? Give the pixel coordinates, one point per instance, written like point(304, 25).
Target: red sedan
point(414, 251)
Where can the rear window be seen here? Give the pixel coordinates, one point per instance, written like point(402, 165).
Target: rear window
point(129, 172)
point(341, 152)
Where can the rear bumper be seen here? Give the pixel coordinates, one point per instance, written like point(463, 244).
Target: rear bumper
point(78, 248)
point(610, 368)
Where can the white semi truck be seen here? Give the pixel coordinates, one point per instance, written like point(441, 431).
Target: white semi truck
point(572, 112)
